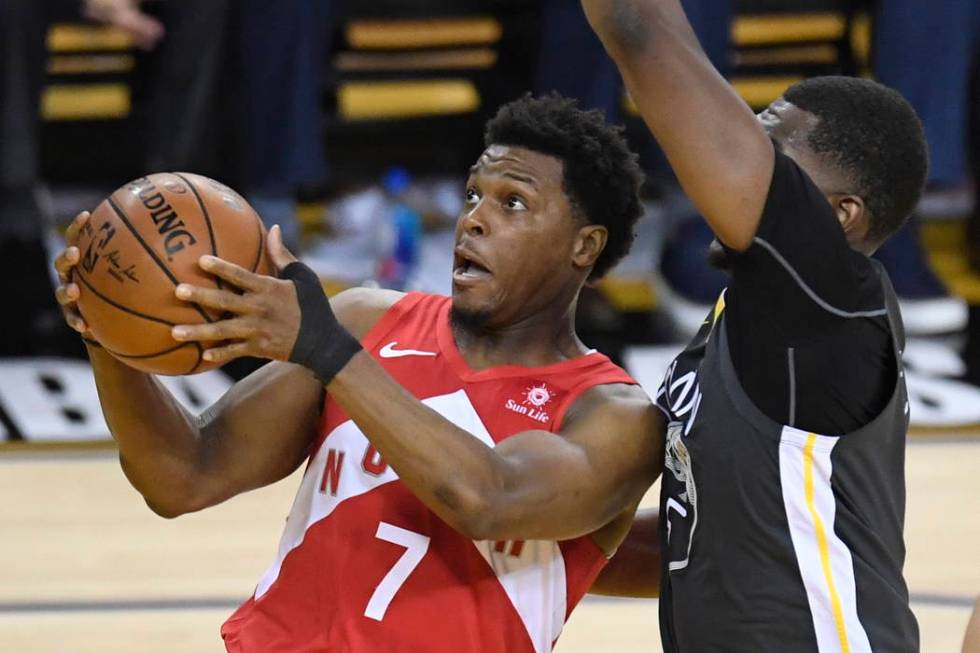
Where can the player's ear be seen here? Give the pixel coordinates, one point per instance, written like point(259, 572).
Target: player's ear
point(588, 245)
point(851, 213)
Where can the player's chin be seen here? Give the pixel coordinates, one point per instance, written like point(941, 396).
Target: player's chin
point(466, 301)
point(472, 308)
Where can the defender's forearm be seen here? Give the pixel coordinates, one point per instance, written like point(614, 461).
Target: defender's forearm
point(636, 568)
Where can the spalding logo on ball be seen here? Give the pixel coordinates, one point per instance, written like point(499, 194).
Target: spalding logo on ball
point(140, 243)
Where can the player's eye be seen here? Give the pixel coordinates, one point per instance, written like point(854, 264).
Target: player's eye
point(515, 203)
point(472, 197)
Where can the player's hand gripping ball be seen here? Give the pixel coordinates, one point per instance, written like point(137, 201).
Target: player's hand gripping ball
point(262, 320)
point(124, 262)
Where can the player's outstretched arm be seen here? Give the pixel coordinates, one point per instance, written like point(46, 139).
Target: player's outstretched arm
point(634, 571)
point(720, 153)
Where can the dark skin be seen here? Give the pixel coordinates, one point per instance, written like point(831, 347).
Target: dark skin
point(635, 569)
point(522, 256)
point(180, 462)
point(721, 152)
point(723, 156)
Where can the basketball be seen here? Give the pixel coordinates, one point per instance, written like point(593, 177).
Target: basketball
point(143, 240)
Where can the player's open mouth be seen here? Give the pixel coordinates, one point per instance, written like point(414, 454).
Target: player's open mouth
point(467, 267)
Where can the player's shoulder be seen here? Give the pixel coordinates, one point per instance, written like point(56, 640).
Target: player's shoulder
point(359, 309)
point(617, 394)
point(624, 403)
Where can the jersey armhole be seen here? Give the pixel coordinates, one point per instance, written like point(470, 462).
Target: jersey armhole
point(603, 378)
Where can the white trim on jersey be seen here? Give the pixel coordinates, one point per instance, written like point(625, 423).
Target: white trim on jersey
point(534, 579)
point(536, 585)
point(310, 506)
point(824, 560)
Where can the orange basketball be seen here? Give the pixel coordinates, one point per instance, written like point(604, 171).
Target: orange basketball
point(140, 243)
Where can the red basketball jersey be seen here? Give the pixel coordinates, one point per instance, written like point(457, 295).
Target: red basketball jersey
point(365, 567)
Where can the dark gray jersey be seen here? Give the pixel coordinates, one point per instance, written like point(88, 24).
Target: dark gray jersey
point(778, 539)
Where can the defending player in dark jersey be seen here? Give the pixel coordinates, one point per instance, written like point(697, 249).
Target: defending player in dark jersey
point(783, 493)
point(475, 463)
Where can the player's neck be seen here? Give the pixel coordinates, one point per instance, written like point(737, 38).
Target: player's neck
point(545, 338)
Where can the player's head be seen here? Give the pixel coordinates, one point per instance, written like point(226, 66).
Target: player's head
point(862, 144)
point(550, 204)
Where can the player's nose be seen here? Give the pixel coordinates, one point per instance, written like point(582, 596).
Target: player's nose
point(474, 222)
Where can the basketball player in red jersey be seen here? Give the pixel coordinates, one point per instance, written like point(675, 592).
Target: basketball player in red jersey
point(471, 465)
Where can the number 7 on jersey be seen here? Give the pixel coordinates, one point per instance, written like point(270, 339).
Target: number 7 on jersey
point(416, 546)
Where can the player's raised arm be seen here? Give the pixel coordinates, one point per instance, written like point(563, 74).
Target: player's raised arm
point(720, 153)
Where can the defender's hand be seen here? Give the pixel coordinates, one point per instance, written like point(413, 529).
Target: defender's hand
point(67, 292)
point(262, 321)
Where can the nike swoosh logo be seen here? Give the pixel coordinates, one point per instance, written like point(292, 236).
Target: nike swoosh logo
point(389, 351)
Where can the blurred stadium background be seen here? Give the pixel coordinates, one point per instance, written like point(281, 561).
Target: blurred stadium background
point(336, 117)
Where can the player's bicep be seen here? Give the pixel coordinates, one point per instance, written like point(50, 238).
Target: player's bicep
point(720, 153)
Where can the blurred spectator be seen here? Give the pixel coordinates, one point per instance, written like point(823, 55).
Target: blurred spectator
point(925, 53)
point(23, 261)
point(32, 323)
point(973, 226)
point(145, 30)
point(573, 62)
point(181, 90)
point(283, 48)
point(909, 58)
point(183, 96)
point(971, 351)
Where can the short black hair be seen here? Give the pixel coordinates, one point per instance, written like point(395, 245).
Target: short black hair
point(874, 134)
point(601, 176)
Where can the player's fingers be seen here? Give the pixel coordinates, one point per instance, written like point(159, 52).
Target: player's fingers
point(66, 294)
point(278, 254)
point(220, 330)
point(74, 320)
point(227, 353)
point(234, 274)
point(65, 261)
point(75, 228)
point(222, 300)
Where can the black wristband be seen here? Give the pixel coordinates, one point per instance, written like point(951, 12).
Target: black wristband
point(322, 344)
